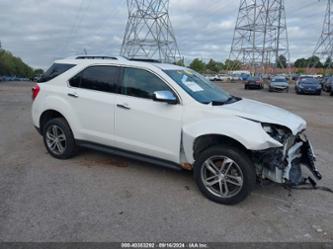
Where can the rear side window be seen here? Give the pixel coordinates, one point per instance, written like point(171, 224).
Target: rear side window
point(141, 83)
point(54, 71)
point(98, 78)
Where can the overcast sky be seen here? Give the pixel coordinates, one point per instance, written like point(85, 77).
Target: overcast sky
point(40, 31)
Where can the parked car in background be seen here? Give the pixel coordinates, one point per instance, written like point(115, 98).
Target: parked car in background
point(295, 77)
point(213, 78)
point(302, 77)
point(239, 75)
point(236, 77)
point(279, 84)
point(37, 78)
point(8, 78)
point(331, 88)
point(327, 84)
point(225, 77)
point(323, 80)
point(308, 86)
point(254, 83)
point(245, 76)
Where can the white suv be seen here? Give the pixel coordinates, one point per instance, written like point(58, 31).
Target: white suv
point(170, 116)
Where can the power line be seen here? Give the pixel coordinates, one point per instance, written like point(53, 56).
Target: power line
point(149, 33)
point(324, 47)
point(76, 24)
point(260, 36)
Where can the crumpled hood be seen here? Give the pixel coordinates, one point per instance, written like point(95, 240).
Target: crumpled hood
point(265, 113)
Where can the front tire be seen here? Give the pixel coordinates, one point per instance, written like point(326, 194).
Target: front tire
point(58, 139)
point(225, 174)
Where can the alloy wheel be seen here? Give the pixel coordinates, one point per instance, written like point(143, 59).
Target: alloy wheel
point(56, 139)
point(222, 176)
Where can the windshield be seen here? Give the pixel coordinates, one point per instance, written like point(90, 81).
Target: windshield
point(310, 82)
point(279, 80)
point(200, 88)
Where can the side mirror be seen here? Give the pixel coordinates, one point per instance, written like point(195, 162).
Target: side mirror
point(165, 97)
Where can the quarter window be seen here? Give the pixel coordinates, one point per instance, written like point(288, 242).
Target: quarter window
point(54, 71)
point(141, 83)
point(98, 78)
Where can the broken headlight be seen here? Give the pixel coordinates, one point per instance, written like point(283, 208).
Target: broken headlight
point(277, 132)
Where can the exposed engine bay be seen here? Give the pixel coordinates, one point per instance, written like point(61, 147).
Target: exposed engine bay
point(286, 164)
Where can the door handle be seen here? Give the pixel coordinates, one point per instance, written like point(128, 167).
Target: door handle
point(125, 107)
point(74, 95)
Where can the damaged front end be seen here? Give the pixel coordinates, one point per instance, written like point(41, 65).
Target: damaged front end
point(285, 164)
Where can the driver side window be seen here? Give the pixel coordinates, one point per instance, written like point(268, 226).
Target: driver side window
point(141, 83)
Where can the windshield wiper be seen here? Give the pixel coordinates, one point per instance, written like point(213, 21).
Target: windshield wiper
point(217, 103)
point(230, 100)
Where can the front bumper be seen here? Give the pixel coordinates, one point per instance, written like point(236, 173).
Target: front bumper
point(279, 88)
point(253, 85)
point(309, 90)
point(285, 165)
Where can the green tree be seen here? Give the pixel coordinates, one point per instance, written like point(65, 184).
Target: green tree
point(301, 63)
point(180, 63)
point(328, 63)
point(232, 65)
point(14, 66)
point(198, 65)
point(212, 66)
point(281, 62)
point(38, 72)
point(314, 61)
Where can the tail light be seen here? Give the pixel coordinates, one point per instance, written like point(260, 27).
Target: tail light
point(35, 91)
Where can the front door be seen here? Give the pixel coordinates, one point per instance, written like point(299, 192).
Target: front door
point(143, 125)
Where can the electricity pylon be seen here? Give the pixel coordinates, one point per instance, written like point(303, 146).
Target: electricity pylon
point(149, 33)
point(324, 47)
point(261, 38)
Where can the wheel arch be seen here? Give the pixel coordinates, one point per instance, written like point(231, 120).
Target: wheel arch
point(48, 115)
point(203, 142)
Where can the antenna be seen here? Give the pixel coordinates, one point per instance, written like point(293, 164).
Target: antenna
point(260, 38)
point(149, 33)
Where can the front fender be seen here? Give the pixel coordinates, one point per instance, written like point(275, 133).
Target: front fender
point(249, 133)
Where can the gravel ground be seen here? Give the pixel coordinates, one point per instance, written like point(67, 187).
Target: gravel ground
point(97, 197)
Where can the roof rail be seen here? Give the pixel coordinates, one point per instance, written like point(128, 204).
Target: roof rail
point(144, 60)
point(101, 57)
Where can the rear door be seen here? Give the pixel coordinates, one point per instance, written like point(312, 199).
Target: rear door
point(143, 125)
point(92, 94)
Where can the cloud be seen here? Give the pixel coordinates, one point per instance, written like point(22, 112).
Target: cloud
point(41, 31)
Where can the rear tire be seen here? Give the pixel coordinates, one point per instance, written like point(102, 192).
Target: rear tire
point(58, 139)
point(224, 174)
